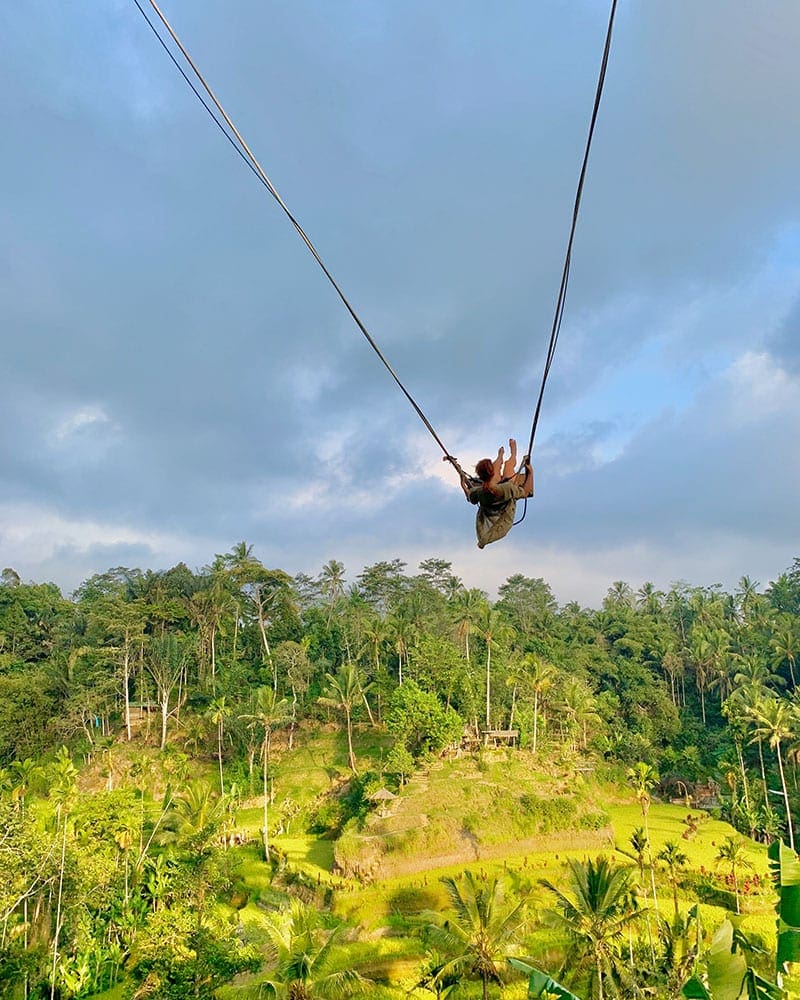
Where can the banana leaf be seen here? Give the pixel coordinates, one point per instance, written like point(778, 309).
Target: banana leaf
point(540, 984)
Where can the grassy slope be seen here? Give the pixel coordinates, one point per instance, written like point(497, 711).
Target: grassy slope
point(461, 814)
point(457, 814)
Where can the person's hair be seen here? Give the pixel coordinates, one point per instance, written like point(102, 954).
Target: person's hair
point(485, 470)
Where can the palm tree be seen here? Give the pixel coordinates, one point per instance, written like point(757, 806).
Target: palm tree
point(331, 581)
point(401, 629)
point(343, 693)
point(595, 912)
point(649, 599)
point(218, 712)
point(674, 859)
point(467, 605)
point(578, 705)
point(481, 930)
point(732, 853)
point(61, 792)
point(268, 712)
point(195, 816)
point(619, 593)
point(774, 722)
point(742, 706)
point(643, 777)
point(746, 594)
point(541, 674)
point(493, 629)
point(27, 772)
point(786, 645)
point(301, 956)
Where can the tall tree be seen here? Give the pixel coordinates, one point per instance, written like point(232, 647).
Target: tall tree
point(344, 691)
point(331, 581)
point(218, 712)
point(267, 713)
point(775, 723)
point(494, 630)
point(674, 861)
point(165, 662)
point(731, 853)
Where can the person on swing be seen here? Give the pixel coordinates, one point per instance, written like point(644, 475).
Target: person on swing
point(496, 491)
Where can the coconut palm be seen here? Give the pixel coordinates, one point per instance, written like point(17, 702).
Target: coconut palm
point(480, 931)
point(649, 599)
point(194, 817)
point(467, 605)
point(731, 853)
point(579, 708)
point(786, 646)
point(643, 777)
point(331, 582)
point(267, 713)
point(61, 792)
point(301, 956)
point(494, 630)
point(775, 723)
point(344, 691)
point(401, 629)
point(595, 912)
point(541, 677)
point(218, 712)
point(674, 860)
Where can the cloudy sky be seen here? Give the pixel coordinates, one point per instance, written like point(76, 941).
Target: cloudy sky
point(177, 375)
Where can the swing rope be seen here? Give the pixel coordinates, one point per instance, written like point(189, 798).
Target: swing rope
point(562, 291)
point(235, 138)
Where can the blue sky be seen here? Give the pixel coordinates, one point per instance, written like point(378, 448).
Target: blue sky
point(177, 375)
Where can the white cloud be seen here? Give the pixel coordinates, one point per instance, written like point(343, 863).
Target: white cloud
point(91, 416)
point(33, 534)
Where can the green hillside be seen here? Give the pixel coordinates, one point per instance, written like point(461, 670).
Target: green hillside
point(235, 783)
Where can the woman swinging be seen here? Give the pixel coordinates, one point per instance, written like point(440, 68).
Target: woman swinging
point(495, 491)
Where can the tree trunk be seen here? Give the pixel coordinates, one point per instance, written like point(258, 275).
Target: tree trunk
point(351, 755)
point(600, 993)
point(219, 755)
point(265, 755)
point(535, 720)
point(164, 717)
point(785, 795)
point(488, 683)
point(744, 775)
point(58, 911)
point(763, 773)
point(126, 675)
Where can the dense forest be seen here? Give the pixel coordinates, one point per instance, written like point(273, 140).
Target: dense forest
point(154, 788)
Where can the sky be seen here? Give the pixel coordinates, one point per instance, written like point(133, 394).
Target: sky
point(176, 375)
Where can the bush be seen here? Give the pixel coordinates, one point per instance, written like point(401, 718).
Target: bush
point(419, 721)
point(546, 815)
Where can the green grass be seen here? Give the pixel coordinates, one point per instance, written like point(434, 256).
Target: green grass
point(451, 816)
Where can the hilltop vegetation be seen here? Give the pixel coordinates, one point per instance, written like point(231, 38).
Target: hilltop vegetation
point(205, 776)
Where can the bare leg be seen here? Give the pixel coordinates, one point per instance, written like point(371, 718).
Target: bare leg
point(511, 463)
point(498, 464)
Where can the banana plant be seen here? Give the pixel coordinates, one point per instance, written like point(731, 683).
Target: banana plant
point(727, 974)
point(785, 870)
point(540, 985)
